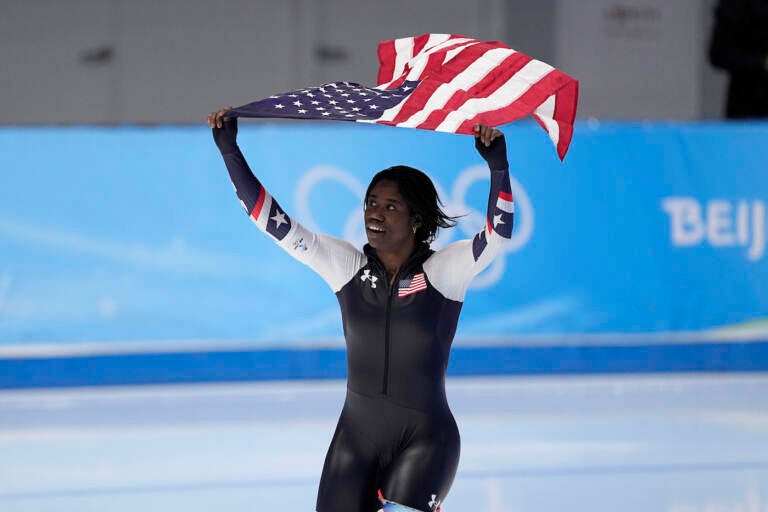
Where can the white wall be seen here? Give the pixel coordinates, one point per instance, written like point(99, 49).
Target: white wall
point(635, 59)
point(171, 61)
point(162, 61)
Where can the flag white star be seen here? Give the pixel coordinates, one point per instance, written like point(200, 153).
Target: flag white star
point(279, 106)
point(497, 220)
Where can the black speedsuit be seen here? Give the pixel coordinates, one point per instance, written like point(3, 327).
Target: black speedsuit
point(396, 434)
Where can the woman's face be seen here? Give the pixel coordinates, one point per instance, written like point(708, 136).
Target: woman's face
point(388, 221)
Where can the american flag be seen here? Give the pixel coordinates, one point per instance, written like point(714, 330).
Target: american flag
point(441, 82)
point(412, 285)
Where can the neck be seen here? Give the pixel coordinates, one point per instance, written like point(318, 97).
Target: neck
point(393, 260)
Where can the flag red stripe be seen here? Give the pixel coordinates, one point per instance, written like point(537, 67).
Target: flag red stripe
point(402, 292)
point(565, 114)
point(528, 102)
point(434, 63)
point(464, 58)
point(418, 44)
point(447, 71)
point(435, 60)
point(259, 204)
point(485, 87)
point(507, 196)
point(427, 88)
point(397, 83)
point(387, 56)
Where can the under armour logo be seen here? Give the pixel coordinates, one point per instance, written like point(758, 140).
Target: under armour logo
point(368, 277)
point(434, 503)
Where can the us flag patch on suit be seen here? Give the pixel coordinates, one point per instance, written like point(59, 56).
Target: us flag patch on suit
point(411, 285)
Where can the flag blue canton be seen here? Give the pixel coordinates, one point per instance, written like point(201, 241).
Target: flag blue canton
point(338, 101)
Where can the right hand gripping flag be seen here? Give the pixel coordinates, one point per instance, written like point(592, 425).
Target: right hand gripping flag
point(441, 82)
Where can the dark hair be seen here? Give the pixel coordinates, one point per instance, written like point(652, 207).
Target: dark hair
point(421, 197)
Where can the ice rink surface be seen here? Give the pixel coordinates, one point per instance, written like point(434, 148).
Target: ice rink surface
point(629, 443)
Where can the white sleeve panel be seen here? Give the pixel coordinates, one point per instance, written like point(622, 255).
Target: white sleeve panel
point(451, 269)
point(335, 260)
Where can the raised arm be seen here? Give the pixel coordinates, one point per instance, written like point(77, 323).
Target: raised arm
point(335, 260)
point(451, 269)
point(491, 145)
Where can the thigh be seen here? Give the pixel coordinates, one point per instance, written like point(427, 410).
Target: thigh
point(348, 482)
point(421, 475)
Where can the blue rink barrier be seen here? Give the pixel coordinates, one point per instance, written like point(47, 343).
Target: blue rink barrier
point(644, 251)
point(265, 365)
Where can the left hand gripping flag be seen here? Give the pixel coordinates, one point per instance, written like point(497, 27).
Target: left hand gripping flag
point(441, 82)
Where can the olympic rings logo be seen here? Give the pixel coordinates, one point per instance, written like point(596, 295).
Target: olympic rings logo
point(471, 222)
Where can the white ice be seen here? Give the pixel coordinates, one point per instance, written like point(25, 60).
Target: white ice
point(675, 443)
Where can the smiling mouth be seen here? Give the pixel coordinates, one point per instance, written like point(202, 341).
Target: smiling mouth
point(375, 229)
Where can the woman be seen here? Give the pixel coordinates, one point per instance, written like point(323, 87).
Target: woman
point(396, 444)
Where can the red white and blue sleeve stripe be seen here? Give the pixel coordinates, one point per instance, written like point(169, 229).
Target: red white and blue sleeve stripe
point(262, 208)
point(451, 269)
point(499, 218)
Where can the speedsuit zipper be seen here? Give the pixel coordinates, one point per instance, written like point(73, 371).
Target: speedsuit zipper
point(385, 387)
